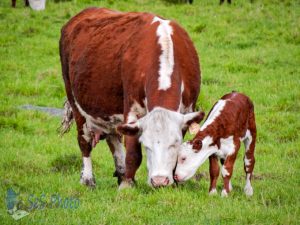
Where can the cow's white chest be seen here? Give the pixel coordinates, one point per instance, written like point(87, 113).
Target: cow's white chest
point(227, 147)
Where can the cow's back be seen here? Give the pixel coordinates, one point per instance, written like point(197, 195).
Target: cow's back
point(94, 43)
point(111, 55)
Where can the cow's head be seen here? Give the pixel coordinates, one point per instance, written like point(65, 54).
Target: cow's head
point(191, 156)
point(160, 131)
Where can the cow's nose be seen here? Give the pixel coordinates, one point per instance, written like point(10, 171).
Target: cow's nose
point(158, 181)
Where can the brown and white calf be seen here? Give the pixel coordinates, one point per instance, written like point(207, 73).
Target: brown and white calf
point(136, 73)
point(230, 121)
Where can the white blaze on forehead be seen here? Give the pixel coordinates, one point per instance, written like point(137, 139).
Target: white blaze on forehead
point(214, 113)
point(166, 59)
point(162, 137)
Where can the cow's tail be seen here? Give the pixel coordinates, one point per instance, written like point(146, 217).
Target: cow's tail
point(67, 119)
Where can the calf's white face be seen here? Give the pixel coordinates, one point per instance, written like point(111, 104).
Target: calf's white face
point(161, 134)
point(192, 156)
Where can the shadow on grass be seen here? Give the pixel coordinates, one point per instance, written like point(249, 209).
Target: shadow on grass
point(66, 163)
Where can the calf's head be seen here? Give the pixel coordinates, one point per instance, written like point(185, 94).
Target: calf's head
point(192, 155)
point(160, 131)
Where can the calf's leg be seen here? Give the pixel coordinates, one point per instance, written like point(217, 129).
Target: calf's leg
point(13, 3)
point(214, 171)
point(227, 169)
point(249, 159)
point(26, 3)
point(115, 144)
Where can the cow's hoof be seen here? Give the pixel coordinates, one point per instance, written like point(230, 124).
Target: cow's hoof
point(248, 191)
point(90, 182)
point(213, 192)
point(224, 193)
point(120, 176)
point(126, 184)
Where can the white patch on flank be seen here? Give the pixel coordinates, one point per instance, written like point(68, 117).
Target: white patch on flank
point(166, 59)
point(227, 147)
point(213, 192)
point(214, 113)
point(248, 188)
point(224, 172)
point(119, 154)
point(98, 124)
point(136, 111)
point(224, 193)
point(87, 171)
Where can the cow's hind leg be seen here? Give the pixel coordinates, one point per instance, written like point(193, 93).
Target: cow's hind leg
point(133, 160)
point(115, 144)
point(249, 159)
point(84, 142)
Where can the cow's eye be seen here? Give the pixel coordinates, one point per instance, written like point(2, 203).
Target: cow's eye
point(183, 159)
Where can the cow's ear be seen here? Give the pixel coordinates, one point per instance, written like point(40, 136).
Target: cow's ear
point(195, 117)
point(197, 145)
point(130, 129)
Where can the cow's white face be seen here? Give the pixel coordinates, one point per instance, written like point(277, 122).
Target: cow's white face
point(190, 158)
point(161, 134)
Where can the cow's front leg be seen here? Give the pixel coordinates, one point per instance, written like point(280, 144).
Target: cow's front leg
point(115, 144)
point(133, 160)
point(86, 176)
point(214, 171)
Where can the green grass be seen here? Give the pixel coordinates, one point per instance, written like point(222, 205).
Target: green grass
point(252, 48)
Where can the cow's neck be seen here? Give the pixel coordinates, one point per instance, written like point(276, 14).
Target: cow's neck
point(168, 98)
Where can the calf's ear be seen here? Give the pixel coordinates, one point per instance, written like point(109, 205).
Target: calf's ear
point(195, 117)
point(197, 145)
point(130, 129)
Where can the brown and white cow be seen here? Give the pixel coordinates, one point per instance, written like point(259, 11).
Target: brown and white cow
point(136, 73)
point(229, 122)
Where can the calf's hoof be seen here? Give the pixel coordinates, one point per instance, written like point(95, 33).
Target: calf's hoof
point(213, 192)
point(126, 184)
point(224, 193)
point(248, 191)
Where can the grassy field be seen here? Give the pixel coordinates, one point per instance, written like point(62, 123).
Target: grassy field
point(252, 48)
